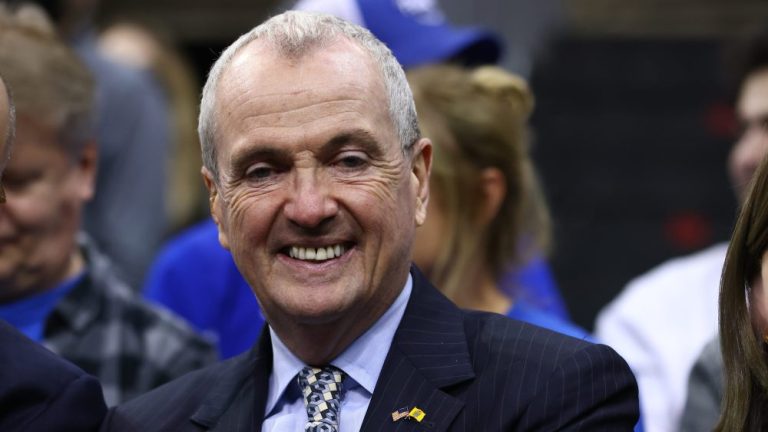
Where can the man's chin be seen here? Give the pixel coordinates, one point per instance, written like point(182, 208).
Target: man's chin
point(11, 289)
point(315, 312)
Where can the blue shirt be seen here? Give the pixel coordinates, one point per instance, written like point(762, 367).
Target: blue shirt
point(523, 311)
point(197, 278)
point(535, 284)
point(29, 314)
point(362, 362)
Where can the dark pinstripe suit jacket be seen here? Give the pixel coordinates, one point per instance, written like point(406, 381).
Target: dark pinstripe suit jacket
point(40, 391)
point(468, 371)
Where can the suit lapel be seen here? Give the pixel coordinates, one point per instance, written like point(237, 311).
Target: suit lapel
point(237, 403)
point(429, 353)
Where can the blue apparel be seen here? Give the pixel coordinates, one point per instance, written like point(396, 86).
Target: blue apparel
point(28, 315)
point(196, 278)
point(524, 311)
point(535, 285)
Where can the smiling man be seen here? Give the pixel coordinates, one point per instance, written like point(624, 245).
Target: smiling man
point(318, 179)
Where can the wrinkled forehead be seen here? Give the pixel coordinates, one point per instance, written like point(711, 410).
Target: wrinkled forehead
point(260, 69)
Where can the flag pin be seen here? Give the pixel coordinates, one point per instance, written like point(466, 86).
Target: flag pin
point(416, 414)
point(400, 414)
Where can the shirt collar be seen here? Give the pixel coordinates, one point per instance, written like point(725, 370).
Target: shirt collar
point(362, 361)
point(83, 303)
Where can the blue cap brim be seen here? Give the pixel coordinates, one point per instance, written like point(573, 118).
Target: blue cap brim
point(417, 43)
point(466, 46)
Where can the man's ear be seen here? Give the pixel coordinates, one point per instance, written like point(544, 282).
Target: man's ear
point(214, 200)
point(86, 166)
point(494, 190)
point(421, 166)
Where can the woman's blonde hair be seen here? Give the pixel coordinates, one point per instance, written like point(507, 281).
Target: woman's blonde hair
point(477, 119)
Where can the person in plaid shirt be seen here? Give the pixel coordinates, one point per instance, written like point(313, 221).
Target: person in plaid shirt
point(55, 286)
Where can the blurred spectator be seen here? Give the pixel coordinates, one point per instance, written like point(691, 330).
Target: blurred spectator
point(55, 286)
point(705, 384)
point(197, 278)
point(527, 26)
point(38, 389)
point(141, 47)
point(663, 319)
point(193, 271)
point(127, 215)
point(705, 391)
point(744, 307)
point(416, 31)
point(486, 214)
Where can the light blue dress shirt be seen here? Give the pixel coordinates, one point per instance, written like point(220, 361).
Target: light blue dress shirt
point(362, 362)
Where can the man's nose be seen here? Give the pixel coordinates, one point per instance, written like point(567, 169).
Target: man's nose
point(311, 200)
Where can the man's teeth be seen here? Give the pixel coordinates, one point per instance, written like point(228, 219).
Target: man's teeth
point(316, 254)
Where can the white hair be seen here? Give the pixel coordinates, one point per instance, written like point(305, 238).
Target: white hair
point(293, 34)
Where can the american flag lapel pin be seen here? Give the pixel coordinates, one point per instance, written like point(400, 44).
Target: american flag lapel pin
point(400, 414)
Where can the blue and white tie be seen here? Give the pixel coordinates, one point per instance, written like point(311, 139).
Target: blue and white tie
point(322, 390)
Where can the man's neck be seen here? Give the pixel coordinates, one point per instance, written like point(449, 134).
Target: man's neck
point(318, 344)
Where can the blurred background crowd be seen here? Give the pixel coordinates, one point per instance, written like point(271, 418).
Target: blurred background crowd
point(632, 126)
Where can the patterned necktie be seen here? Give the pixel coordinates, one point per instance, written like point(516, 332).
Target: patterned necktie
point(322, 392)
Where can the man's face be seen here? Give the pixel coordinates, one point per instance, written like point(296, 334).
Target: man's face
point(316, 200)
point(45, 191)
point(752, 146)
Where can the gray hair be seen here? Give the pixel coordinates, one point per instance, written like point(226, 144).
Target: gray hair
point(293, 34)
point(48, 80)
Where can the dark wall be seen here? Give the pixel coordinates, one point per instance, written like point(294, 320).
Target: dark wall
point(632, 138)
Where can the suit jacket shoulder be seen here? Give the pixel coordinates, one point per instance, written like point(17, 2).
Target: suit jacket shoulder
point(553, 381)
point(471, 371)
point(40, 391)
point(199, 400)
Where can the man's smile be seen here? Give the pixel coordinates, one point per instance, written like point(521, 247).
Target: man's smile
point(321, 253)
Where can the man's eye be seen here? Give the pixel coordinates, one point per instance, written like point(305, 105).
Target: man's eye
point(351, 161)
point(259, 172)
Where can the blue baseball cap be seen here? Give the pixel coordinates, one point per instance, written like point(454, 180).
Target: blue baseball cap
point(415, 30)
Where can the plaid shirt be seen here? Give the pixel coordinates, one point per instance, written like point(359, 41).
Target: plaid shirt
point(128, 344)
